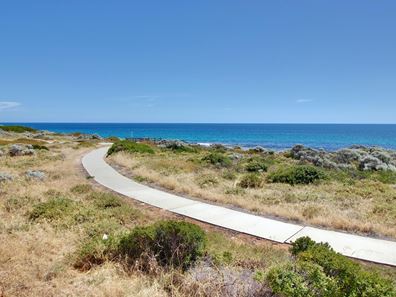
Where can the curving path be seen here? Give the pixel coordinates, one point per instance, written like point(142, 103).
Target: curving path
point(360, 247)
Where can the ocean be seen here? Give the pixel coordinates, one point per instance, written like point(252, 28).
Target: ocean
point(272, 136)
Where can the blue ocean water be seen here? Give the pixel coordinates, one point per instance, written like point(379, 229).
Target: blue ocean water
point(274, 136)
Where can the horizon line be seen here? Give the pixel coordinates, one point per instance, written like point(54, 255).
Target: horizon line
point(201, 123)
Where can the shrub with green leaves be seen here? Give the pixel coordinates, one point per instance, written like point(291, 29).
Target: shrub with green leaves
point(93, 252)
point(320, 271)
point(106, 200)
point(301, 245)
point(53, 209)
point(181, 148)
point(17, 129)
point(301, 279)
point(217, 159)
point(299, 174)
point(256, 165)
point(40, 147)
point(250, 180)
point(137, 244)
point(172, 243)
point(130, 147)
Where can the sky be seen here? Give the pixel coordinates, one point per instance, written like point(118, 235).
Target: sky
point(318, 61)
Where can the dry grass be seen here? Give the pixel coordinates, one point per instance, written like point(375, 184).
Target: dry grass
point(364, 206)
point(37, 256)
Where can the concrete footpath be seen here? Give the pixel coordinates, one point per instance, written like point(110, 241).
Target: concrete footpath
point(360, 247)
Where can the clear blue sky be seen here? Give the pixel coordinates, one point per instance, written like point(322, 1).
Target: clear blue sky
point(198, 61)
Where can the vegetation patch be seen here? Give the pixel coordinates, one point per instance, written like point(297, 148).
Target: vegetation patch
point(22, 141)
point(40, 147)
point(299, 174)
point(51, 210)
point(93, 252)
point(251, 180)
point(256, 165)
point(81, 189)
point(207, 181)
point(319, 271)
point(130, 147)
point(172, 243)
point(18, 129)
point(217, 159)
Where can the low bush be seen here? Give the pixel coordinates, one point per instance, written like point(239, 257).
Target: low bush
point(17, 129)
point(300, 174)
point(40, 147)
point(178, 244)
point(319, 271)
point(301, 245)
point(181, 148)
point(106, 200)
point(93, 252)
point(130, 147)
point(218, 159)
point(172, 243)
point(53, 209)
point(256, 165)
point(251, 180)
point(137, 246)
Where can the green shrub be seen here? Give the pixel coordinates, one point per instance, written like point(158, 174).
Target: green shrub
point(301, 245)
point(93, 252)
point(320, 271)
point(17, 129)
point(106, 200)
point(178, 244)
point(53, 209)
point(217, 159)
point(137, 245)
point(172, 243)
point(351, 279)
point(40, 147)
point(256, 165)
point(130, 147)
point(181, 148)
point(301, 174)
point(302, 279)
point(385, 176)
point(251, 180)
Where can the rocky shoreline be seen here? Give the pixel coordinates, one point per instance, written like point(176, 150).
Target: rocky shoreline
point(366, 158)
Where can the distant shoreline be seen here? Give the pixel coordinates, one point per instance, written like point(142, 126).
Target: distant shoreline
point(276, 137)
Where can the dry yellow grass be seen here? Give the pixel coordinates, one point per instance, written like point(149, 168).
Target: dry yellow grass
point(366, 207)
point(36, 257)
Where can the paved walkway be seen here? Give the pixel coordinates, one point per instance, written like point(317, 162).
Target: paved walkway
point(365, 248)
